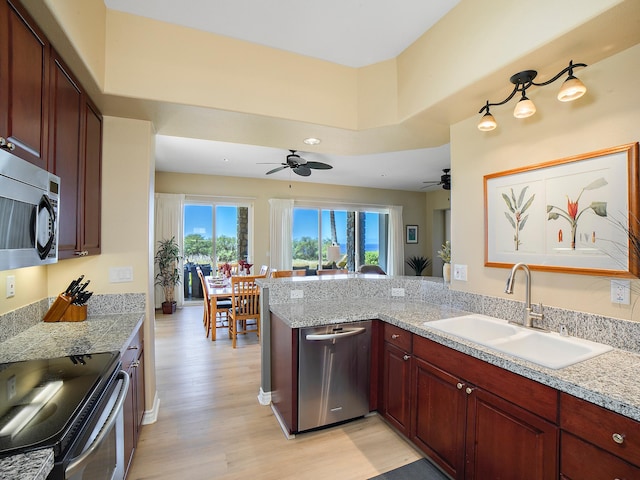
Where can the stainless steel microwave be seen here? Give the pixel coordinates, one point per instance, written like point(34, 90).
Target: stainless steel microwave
point(29, 222)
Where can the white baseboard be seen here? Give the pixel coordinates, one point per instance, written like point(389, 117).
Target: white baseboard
point(264, 397)
point(150, 416)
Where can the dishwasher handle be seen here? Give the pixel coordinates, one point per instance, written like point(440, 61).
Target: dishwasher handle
point(332, 336)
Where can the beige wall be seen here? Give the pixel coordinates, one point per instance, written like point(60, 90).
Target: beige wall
point(261, 190)
point(607, 116)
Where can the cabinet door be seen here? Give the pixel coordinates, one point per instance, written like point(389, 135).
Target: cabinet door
point(396, 386)
point(439, 415)
point(64, 152)
point(504, 440)
point(129, 420)
point(24, 84)
point(139, 403)
point(91, 204)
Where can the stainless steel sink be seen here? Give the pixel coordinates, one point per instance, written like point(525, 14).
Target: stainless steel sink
point(544, 348)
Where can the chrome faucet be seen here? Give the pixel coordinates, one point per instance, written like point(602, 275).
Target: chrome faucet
point(529, 314)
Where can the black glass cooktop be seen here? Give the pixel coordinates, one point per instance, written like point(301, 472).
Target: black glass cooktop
point(41, 400)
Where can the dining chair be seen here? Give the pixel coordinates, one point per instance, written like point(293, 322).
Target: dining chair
point(245, 306)
point(371, 269)
point(206, 318)
point(332, 272)
point(288, 273)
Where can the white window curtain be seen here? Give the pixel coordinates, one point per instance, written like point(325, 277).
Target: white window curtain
point(281, 233)
point(169, 220)
point(396, 241)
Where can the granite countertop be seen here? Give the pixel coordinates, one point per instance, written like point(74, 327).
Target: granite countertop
point(100, 333)
point(608, 380)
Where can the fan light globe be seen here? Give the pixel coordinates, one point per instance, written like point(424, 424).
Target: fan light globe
point(571, 89)
point(524, 108)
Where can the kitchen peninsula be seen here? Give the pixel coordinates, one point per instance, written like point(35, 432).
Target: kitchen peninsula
point(597, 387)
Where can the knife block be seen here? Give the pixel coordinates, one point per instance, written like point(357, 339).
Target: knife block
point(57, 309)
point(75, 313)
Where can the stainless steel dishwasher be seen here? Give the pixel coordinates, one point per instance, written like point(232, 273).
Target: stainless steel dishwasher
point(333, 374)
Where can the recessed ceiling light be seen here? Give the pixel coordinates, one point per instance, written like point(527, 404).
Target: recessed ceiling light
point(311, 141)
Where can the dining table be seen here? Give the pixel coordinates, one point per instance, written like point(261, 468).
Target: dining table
point(218, 288)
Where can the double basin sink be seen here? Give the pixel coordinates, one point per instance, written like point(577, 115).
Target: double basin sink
point(548, 349)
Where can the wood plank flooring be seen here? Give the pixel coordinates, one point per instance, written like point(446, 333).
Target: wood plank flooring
point(210, 424)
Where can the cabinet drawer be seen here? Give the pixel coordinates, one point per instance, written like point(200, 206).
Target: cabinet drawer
point(132, 352)
point(580, 460)
point(598, 426)
point(398, 337)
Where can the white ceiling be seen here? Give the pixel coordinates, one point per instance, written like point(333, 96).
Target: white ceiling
point(348, 32)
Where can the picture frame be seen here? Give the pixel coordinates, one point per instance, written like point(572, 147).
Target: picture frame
point(412, 234)
point(572, 215)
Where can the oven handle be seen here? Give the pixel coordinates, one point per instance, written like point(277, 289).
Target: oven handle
point(77, 462)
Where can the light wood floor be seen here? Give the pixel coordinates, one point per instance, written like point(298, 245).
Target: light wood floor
point(210, 424)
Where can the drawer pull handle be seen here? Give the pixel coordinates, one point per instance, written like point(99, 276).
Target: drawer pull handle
point(394, 336)
point(469, 390)
point(618, 438)
point(132, 347)
point(459, 386)
point(406, 357)
point(135, 364)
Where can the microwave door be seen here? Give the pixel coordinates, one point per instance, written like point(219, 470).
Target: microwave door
point(45, 227)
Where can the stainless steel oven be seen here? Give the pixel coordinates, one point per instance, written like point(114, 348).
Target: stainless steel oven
point(72, 404)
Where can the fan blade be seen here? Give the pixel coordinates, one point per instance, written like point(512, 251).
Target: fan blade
point(302, 170)
point(319, 165)
point(276, 170)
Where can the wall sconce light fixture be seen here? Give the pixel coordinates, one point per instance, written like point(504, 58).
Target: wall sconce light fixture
point(571, 89)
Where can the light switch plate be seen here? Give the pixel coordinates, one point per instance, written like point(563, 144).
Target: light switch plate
point(621, 291)
point(297, 293)
point(120, 274)
point(397, 292)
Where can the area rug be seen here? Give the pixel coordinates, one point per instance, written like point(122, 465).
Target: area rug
point(418, 470)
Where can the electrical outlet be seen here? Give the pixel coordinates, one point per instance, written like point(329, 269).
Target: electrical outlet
point(621, 292)
point(11, 387)
point(460, 272)
point(11, 286)
point(297, 294)
point(397, 292)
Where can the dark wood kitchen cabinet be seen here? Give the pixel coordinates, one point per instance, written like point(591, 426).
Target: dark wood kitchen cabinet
point(133, 364)
point(396, 380)
point(75, 134)
point(479, 421)
point(596, 443)
point(24, 84)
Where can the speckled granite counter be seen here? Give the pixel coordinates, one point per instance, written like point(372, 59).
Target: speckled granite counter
point(99, 333)
point(609, 380)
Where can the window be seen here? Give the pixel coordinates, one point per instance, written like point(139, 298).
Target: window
point(214, 233)
point(332, 238)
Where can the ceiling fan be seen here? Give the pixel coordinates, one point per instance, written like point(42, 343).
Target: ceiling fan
point(445, 180)
point(299, 165)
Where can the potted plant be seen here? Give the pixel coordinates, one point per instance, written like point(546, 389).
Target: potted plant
point(445, 255)
point(418, 264)
point(168, 258)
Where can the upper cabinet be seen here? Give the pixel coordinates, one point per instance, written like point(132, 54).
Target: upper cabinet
point(24, 84)
point(47, 115)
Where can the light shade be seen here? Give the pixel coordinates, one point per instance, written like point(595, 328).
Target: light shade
point(333, 253)
point(571, 89)
point(487, 123)
point(524, 108)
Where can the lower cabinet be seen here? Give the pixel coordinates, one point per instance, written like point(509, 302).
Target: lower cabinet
point(396, 382)
point(597, 443)
point(133, 364)
point(476, 421)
